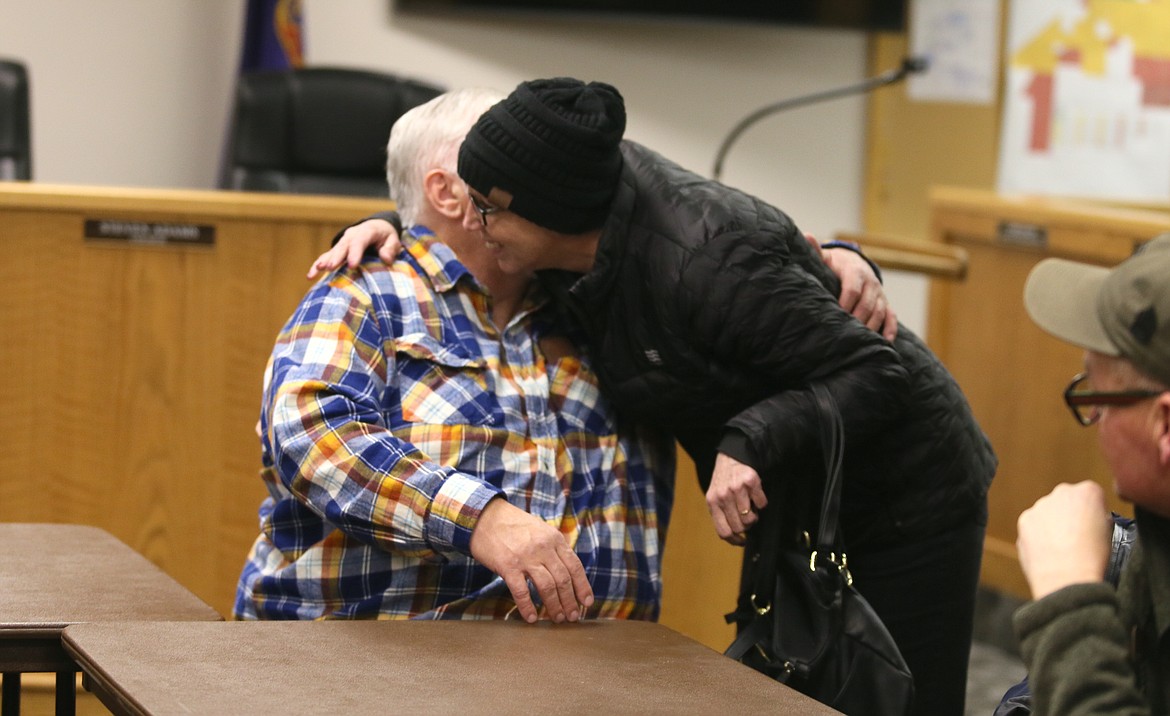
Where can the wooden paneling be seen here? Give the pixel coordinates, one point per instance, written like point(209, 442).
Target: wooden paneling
point(1012, 372)
point(132, 371)
point(700, 572)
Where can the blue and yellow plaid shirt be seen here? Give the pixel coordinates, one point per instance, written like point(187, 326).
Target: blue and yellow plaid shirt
point(393, 411)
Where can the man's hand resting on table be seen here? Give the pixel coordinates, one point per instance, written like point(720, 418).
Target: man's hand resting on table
point(521, 548)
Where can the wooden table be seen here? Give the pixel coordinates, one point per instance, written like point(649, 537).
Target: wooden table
point(54, 575)
point(348, 667)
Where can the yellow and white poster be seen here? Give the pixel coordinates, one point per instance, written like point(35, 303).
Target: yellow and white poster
point(1087, 99)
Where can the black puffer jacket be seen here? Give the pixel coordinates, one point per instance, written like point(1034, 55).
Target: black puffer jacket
point(708, 314)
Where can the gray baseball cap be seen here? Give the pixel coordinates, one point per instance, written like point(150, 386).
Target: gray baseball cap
point(1123, 311)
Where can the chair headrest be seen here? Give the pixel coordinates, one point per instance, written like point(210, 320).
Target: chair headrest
point(15, 141)
point(321, 120)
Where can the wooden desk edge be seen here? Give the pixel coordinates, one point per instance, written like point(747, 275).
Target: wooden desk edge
point(1046, 209)
point(932, 259)
point(119, 701)
point(32, 196)
point(99, 683)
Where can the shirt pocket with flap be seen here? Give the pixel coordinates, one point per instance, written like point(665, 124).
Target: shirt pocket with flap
point(443, 384)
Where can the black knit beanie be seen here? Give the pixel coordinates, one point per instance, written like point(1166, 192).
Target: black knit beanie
point(549, 152)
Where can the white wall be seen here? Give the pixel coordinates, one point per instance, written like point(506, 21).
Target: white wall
point(685, 84)
point(125, 92)
point(136, 92)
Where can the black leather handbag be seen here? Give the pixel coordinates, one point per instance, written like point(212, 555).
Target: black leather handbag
point(801, 621)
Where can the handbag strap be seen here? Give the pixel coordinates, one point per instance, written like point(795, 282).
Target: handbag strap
point(767, 541)
point(833, 450)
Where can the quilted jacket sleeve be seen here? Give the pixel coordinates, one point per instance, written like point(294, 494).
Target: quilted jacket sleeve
point(769, 316)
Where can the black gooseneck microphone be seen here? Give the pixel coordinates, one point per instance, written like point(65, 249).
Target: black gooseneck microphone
point(909, 65)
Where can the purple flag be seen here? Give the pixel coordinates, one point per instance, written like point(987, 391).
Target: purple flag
point(273, 37)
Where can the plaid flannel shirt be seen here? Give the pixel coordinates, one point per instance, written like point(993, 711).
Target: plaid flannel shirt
point(393, 411)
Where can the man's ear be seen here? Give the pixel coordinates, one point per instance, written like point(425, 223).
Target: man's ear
point(1161, 427)
point(445, 194)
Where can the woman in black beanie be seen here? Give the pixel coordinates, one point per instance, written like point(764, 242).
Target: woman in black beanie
point(709, 315)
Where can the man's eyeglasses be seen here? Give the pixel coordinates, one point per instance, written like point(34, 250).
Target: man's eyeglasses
point(1086, 404)
point(482, 208)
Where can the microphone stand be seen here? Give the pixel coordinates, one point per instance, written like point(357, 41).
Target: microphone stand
point(909, 65)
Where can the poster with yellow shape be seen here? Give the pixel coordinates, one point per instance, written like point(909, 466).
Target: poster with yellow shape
point(1087, 100)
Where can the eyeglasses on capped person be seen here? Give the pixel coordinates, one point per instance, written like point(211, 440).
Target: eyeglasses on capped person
point(1086, 404)
point(483, 208)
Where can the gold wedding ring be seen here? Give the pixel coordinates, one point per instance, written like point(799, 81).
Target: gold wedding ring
point(745, 512)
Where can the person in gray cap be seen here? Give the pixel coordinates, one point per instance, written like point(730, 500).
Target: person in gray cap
point(1090, 648)
point(707, 314)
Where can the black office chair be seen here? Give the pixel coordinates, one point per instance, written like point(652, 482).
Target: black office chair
point(15, 140)
point(316, 130)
